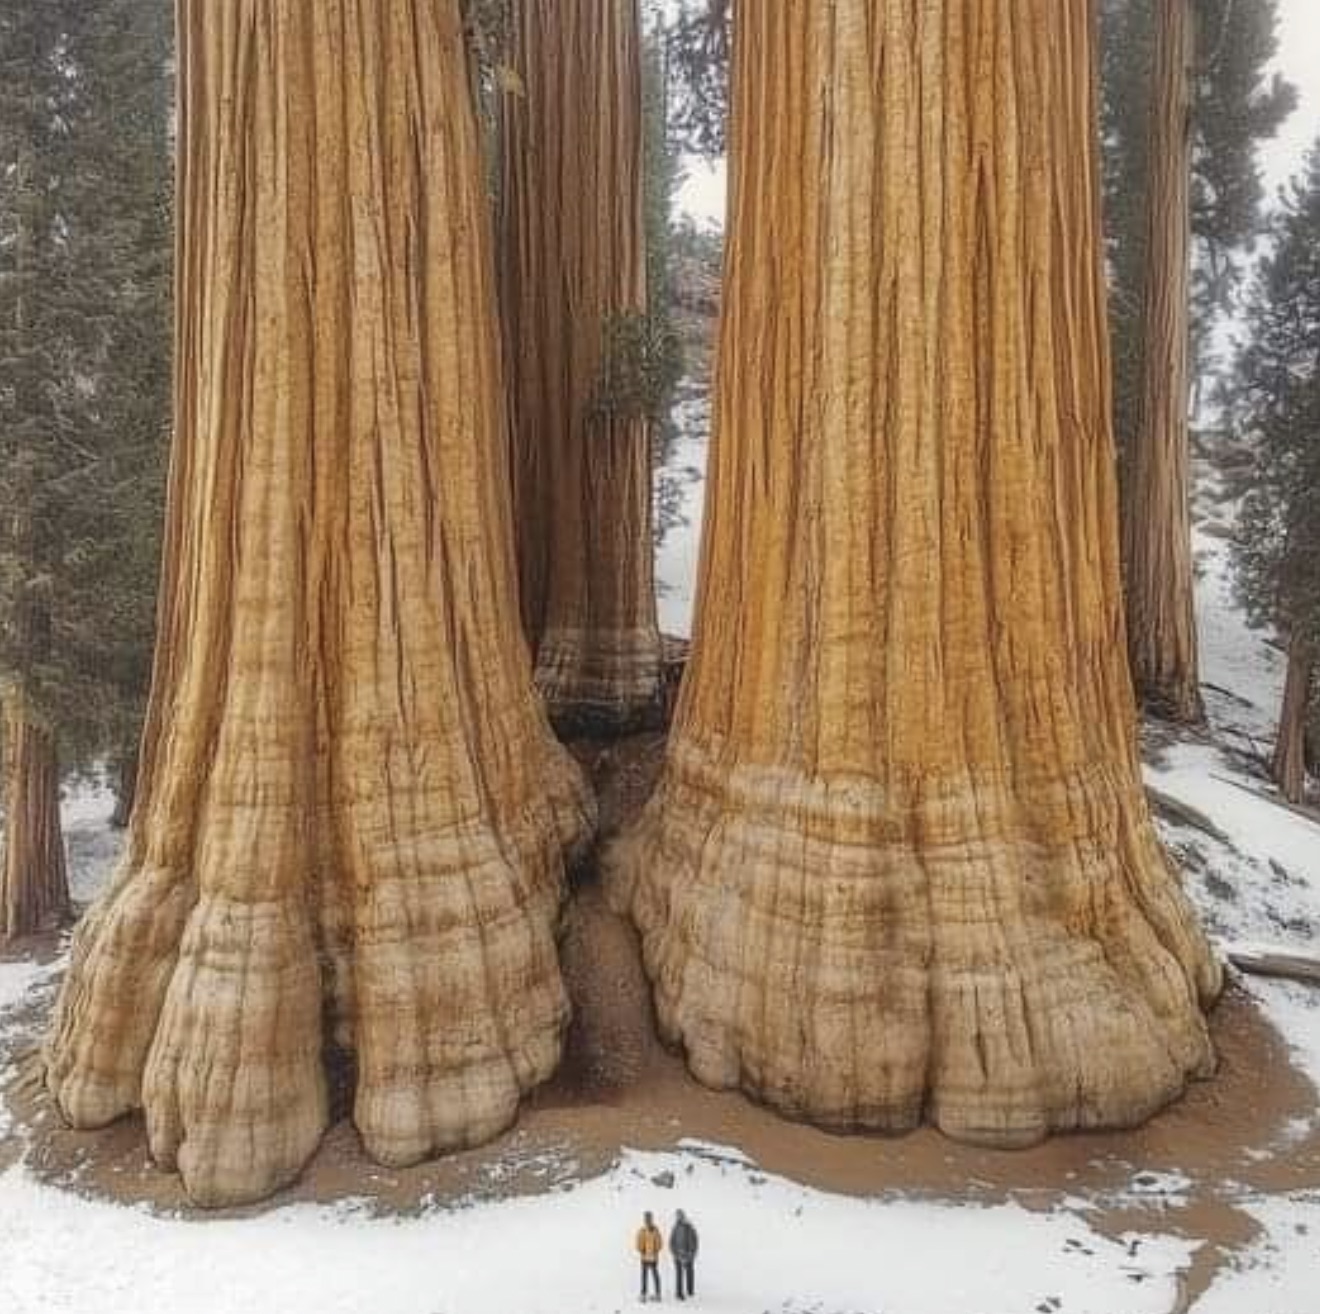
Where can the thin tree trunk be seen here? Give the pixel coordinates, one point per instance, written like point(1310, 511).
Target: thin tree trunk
point(573, 253)
point(1290, 747)
point(351, 805)
point(34, 886)
point(1157, 537)
point(900, 862)
point(126, 773)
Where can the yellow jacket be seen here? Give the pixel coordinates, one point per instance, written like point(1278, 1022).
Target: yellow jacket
point(649, 1243)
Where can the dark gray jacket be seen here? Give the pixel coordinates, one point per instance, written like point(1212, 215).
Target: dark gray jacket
point(683, 1241)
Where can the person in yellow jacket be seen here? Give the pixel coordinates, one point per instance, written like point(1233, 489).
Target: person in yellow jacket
point(649, 1245)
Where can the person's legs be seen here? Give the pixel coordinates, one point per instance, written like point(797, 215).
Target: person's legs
point(650, 1276)
point(690, 1274)
point(678, 1278)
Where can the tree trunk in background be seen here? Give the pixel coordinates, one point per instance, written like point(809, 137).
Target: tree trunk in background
point(1290, 747)
point(900, 861)
point(1157, 535)
point(573, 255)
point(125, 785)
point(348, 787)
point(34, 886)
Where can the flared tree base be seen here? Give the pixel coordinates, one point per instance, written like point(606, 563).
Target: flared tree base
point(436, 964)
point(602, 684)
point(868, 957)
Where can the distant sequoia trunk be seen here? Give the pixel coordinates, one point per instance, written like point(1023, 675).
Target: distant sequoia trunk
point(1157, 534)
point(900, 862)
point(1290, 747)
point(351, 807)
point(34, 886)
point(573, 253)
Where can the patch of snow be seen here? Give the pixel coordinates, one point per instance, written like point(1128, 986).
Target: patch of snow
point(679, 549)
point(1280, 1272)
point(1264, 883)
point(18, 980)
point(767, 1246)
point(1243, 671)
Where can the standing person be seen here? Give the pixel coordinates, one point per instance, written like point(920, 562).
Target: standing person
point(649, 1245)
point(683, 1247)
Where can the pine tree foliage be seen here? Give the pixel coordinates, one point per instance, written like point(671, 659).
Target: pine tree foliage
point(1238, 102)
point(84, 264)
point(643, 358)
point(1278, 407)
point(699, 47)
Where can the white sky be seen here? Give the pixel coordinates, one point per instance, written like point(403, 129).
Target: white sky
point(1299, 60)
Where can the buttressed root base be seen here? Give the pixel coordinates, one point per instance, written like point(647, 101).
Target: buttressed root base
point(900, 864)
point(353, 818)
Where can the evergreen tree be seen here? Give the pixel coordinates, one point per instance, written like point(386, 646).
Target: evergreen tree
point(1237, 102)
point(699, 46)
point(129, 150)
point(83, 263)
point(1278, 406)
point(44, 336)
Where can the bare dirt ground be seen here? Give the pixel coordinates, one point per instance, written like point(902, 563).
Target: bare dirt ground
point(1251, 1130)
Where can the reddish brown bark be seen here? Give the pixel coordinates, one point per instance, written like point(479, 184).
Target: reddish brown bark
point(34, 887)
point(573, 256)
point(1290, 748)
point(1157, 535)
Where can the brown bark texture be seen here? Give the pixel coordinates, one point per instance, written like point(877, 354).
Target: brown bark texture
point(1157, 532)
point(352, 816)
point(900, 863)
point(573, 261)
point(34, 885)
point(1290, 747)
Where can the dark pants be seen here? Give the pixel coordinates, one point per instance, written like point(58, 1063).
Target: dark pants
point(685, 1278)
point(650, 1273)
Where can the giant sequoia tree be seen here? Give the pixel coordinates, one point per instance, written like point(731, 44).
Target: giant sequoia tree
point(573, 253)
point(352, 815)
point(900, 861)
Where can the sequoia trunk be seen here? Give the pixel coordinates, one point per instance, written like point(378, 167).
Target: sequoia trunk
point(350, 804)
point(1157, 538)
point(900, 862)
point(34, 886)
point(574, 275)
point(1290, 748)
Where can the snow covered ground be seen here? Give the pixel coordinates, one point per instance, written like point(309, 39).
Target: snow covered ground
point(770, 1246)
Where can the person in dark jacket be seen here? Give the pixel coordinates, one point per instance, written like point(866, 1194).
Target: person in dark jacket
point(649, 1244)
point(683, 1246)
